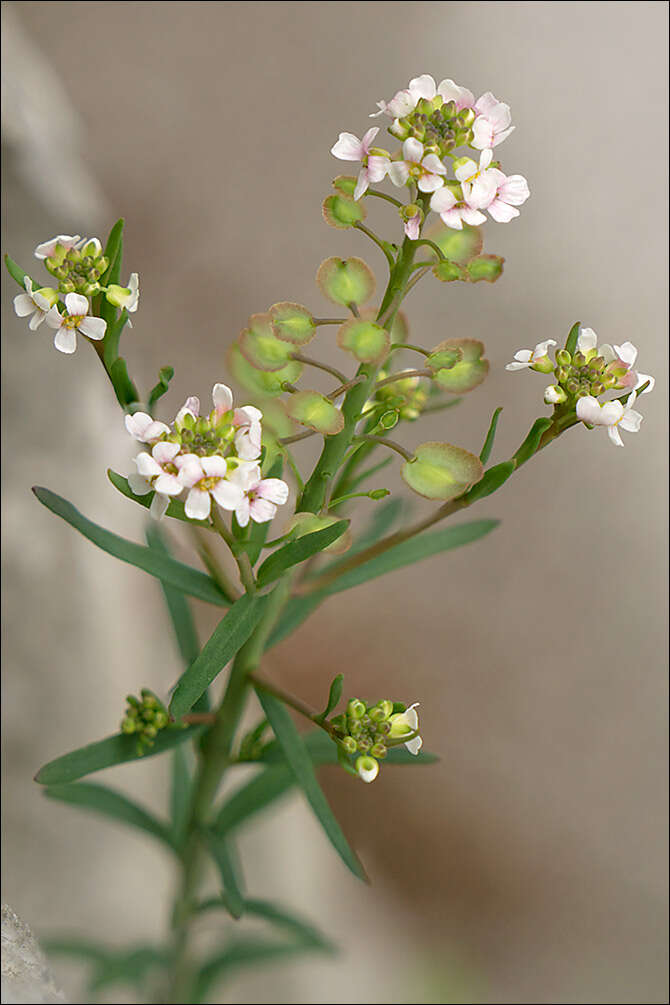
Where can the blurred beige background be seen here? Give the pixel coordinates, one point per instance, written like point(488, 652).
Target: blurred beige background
point(529, 865)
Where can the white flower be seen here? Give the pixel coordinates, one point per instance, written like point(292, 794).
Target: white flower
point(37, 302)
point(510, 191)
point(375, 166)
point(452, 213)
point(222, 399)
point(145, 429)
point(248, 436)
point(492, 124)
point(157, 472)
point(587, 341)
point(425, 170)
point(461, 96)
point(367, 768)
point(611, 414)
point(260, 496)
point(536, 358)
point(404, 102)
point(404, 724)
point(74, 320)
point(478, 181)
point(619, 356)
point(554, 395)
point(125, 296)
point(205, 477)
point(48, 249)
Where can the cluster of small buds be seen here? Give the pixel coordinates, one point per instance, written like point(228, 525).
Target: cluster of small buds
point(404, 399)
point(145, 717)
point(433, 122)
point(369, 730)
point(585, 374)
point(78, 264)
point(205, 457)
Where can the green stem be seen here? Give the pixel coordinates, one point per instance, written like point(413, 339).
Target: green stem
point(308, 361)
point(383, 245)
point(241, 557)
point(384, 441)
point(403, 375)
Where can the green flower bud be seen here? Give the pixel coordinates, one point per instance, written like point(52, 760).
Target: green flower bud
point(448, 109)
point(378, 750)
point(563, 357)
point(128, 726)
point(356, 708)
point(349, 744)
point(379, 494)
point(466, 117)
point(597, 388)
point(363, 744)
point(367, 768)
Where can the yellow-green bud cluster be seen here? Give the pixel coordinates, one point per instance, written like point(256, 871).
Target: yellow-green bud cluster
point(365, 730)
point(78, 270)
point(404, 399)
point(145, 717)
point(205, 436)
point(580, 374)
point(437, 124)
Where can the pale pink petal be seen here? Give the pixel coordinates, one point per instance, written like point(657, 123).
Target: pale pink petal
point(169, 485)
point(398, 173)
point(499, 137)
point(214, 467)
point(248, 442)
point(627, 353)
point(138, 485)
point(401, 104)
point(501, 212)
point(472, 216)
point(47, 249)
point(413, 228)
point(190, 407)
point(242, 511)
point(486, 104)
point(368, 137)
point(273, 489)
point(227, 495)
point(190, 474)
point(75, 303)
point(462, 97)
point(348, 148)
point(412, 150)
point(147, 466)
point(466, 169)
point(482, 133)
point(246, 415)
point(432, 163)
point(377, 167)
point(261, 510)
point(442, 200)
point(452, 218)
point(165, 451)
point(514, 190)
point(93, 328)
point(198, 505)
point(423, 86)
point(430, 183)
point(222, 398)
point(615, 436)
point(362, 184)
point(65, 340)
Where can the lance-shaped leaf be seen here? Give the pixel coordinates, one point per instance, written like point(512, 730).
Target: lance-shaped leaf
point(492, 480)
point(532, 441)
point(227, 638)
point(126, 392)
point(220, 848)
point(468, 372)
point(299, 551)
point(573, 335)
point(490, 436)
point(261, 347)
point(165, 375)
point(366, 341)
point(300, 763)
point(486, 268)
point(457, 245)
point(163, 567)
point(117, 749)
point(314, 410)
point(346, 281)
point(242, 952)
point(17, 273)
point(175, 508)
point(441, 471)
point(292, 323)
point(178, 607)
point(334, 696)
point(342, 212)
point(308, 523)
point(262, 382)
point(113, 253)
point(110, 803)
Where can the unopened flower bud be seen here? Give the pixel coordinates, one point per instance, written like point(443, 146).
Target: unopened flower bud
point(379, 494)
point(563, 357)
point(466, 117)
point(378, 750)
point(349, 744)
point(597, 388)
point(356, 709)
point(367, 768)
point(555, 395)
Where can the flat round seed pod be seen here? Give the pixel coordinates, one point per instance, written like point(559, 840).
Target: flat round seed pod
point(292, 323)
point(469, 372)
point(314, 410)
point(441, 471)
point(346, 281)
point(367, 341)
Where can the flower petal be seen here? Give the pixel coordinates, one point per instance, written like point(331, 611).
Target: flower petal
point(75, 303)
point(198, 505)
point(94, 328)
point(65, 340)
point(227, 494)
point(159, 505)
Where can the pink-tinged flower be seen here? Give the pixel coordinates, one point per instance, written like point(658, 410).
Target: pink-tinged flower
point(425, 170)
point(612, 414)
point(461, 96)
point(405, 724)
point(145, 429)
point(260, 496)
point(413, 226)
point(452, 213)
point(37, 303)
point(510, 191)
point(248, 436)
point(157, 472)
point(48, 249)
point(492, 124)
point(375, 166)
point(536, 359)
point(222, 400)
point(205, 477)
point(478, 181)
point(621, 361)
point(404, 102)
point(75, 319)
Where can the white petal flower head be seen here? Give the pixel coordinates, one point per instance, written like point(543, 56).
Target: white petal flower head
point(621, 361)
point(452, 213)
point(127, 297)
point(249, 432)
point(510, 191)
point(205, 478)
point(145, 429)
point(260, 496)
point(492, 124)
point(157, 472)
point(375, 165)
point(404, 102)
point(75, 319)
point(536, 359)
point(478, 181)
point(35, 304)
point(48, 249)
point(367, 768)
point(612, 414)
point(407, 724)
point(587, 341)
point(425, 170)
point(461, 96)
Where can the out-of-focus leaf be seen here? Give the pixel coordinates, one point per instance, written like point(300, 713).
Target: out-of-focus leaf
point(219, 847)
point(110, 803)
point(165, 375)
point(175, 507)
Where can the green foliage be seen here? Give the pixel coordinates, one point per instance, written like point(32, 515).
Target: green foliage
point(163, 567)
point(315, 411)
point(178, 607)
point(491, 482)
point(110, 803)
point(532, 441)
point(334, 696)
point(165, 375)
point(17, 273)
point(175, 508)
point(573, 335)
point(299, 551)
point(180, 795)
point(111, 967)
point(490, 436)
point(220, 849)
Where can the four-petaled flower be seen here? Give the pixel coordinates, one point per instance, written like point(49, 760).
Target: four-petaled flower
point(611, 414)
point(478, 181)
point(247, 420)
point(375, 165)
point(48, 249)
point(452, 213)
point(145, 429)
point(407, 724)
point(205, 477)
point(623, 357)
point(492, 124)
point(260, 496)
point(536, 358)
point(76, 319)
point(37, 303)
point(157, 472)
point(510, 191)
point(425, 170)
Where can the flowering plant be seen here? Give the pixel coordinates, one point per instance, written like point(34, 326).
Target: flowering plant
point(227, 473)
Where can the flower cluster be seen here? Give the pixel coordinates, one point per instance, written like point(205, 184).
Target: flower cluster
point(78, 264)
point(144, 719)
point(403, 399)
point(205, 457)
point(587, 373)
point(369, 730)
point(433, 122)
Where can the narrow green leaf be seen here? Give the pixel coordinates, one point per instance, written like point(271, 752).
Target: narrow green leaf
point(374, 469)
point(175, 508)
point(246, 951)
point(259, 531)
point(532, 441)
point(411, 551)
point(113, 334)
point(220, 851)
point(227, 638)
point(113, 254)
point(165, 375)
point(291, 923)
point(571, 344)
point(382, 521)
point(492, 480)
point(299, 551)
point(110, 803)
point(183, 577)
point(180, 795)
point(117, 749)
point(128, 967)
point(334, 696)
point(178, 606)
point(16, 272)
point(322, 750)
point(126, 391)
point(490, 436)
point(76, 948)
point(300, 762)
